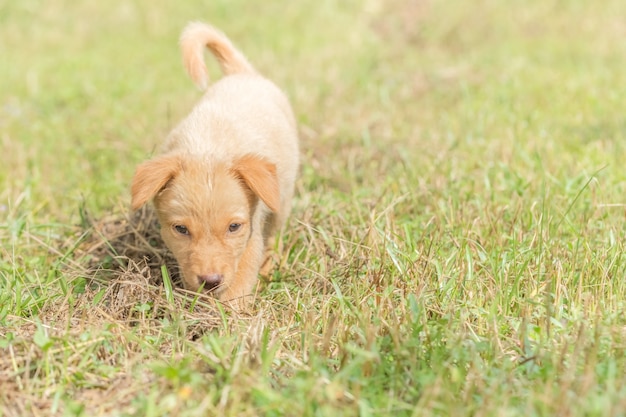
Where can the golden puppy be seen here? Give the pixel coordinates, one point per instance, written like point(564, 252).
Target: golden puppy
point(223, 185)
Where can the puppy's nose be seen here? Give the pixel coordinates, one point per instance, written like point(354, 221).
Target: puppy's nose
point(210, 281)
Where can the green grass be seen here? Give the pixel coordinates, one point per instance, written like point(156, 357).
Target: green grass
point(456, 245)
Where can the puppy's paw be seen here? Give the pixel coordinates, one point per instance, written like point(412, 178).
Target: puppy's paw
point(241, 305)
point(237, 299)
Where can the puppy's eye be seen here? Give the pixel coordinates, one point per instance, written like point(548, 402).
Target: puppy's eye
point(233, 227)
point(181, 229)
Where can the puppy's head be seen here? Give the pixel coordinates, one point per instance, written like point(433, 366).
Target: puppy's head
point(207, 212)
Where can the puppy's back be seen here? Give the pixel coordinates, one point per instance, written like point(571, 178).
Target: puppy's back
point(242, 113)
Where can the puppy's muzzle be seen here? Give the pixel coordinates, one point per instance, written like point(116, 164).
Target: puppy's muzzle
point(210, 281)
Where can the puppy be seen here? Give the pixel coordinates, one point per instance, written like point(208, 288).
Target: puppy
point(223, 183)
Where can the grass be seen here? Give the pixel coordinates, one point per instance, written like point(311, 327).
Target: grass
point(456, 245)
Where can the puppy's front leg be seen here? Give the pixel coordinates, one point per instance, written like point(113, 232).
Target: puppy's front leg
point(239, 293)
point(271, 256)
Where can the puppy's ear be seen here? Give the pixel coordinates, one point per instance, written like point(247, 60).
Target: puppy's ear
point(260, 176)
point(151, 177)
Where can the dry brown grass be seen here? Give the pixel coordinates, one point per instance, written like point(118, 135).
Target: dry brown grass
point(118, 244)
point(121, 259)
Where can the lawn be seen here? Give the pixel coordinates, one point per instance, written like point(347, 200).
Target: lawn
point(456, 246)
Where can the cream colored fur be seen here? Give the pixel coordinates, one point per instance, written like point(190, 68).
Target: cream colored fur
point(232, 161)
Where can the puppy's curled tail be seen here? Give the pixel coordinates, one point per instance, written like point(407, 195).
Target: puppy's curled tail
point(195, 37)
